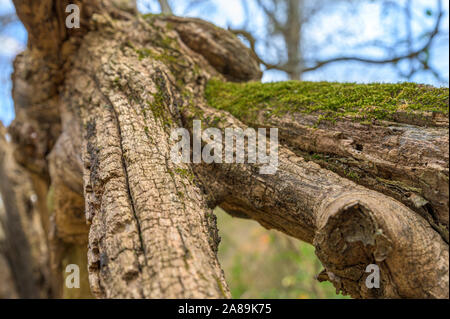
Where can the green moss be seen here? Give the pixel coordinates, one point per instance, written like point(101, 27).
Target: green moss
point(317, 157)
point(158, 108)
point(180, 195)
point(151, 16)
point(352, 175)
point(189, 105)
point(143, 53)
point(148, 53)
point(219, 284)
point(147, 132)
point(329, 100)
point(185, 173)
point(168, 42)
point(170, 172)
point(399, 185)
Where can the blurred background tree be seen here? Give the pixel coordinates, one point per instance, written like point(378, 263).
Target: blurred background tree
point(319, 40)
point(300, 36)
point(268, 264)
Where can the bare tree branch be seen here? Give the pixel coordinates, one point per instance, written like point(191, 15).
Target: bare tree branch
point(415, 54)
point(279, 24)
point(165, 7)
point(6, 19)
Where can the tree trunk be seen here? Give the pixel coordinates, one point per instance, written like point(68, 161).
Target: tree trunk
point(292, 34)
point(95, 107)
point(23, 245)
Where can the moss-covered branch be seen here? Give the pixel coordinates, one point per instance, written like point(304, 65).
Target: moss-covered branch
point(359, 132)
point(331, 101)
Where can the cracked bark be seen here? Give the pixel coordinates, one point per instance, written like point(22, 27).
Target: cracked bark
point(94, 112)
point(406, 159)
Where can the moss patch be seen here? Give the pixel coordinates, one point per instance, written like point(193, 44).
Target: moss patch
point(148, 53)
point(328, 100)
point(185, 173)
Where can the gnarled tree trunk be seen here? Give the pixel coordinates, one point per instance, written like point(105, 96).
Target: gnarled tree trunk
point(95, 107)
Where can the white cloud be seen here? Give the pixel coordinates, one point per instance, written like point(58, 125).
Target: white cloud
point(6, 6)
point(10, 46)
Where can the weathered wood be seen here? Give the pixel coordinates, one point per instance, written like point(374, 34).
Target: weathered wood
point(95, 108)
point(350, 225)
point(405, 158)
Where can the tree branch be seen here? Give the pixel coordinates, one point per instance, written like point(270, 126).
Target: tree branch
point(394, 60)
point(317, 206)
point(165, 7)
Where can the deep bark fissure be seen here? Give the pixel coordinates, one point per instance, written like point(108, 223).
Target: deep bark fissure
point(124, 166)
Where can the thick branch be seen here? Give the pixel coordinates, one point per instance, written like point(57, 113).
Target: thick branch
point(151, 234)
point(165, 7)
point(349, 225)
point(377, 142)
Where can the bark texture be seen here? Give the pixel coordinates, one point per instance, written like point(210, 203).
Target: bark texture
point(350, 225)
point(404, 156)
point(94, 111)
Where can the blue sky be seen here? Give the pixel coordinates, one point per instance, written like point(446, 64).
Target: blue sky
point(329, 24)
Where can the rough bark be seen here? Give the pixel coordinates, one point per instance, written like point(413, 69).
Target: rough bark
point(350, 225)
point(408, 163)
point(405, 157)
point(95, 108)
